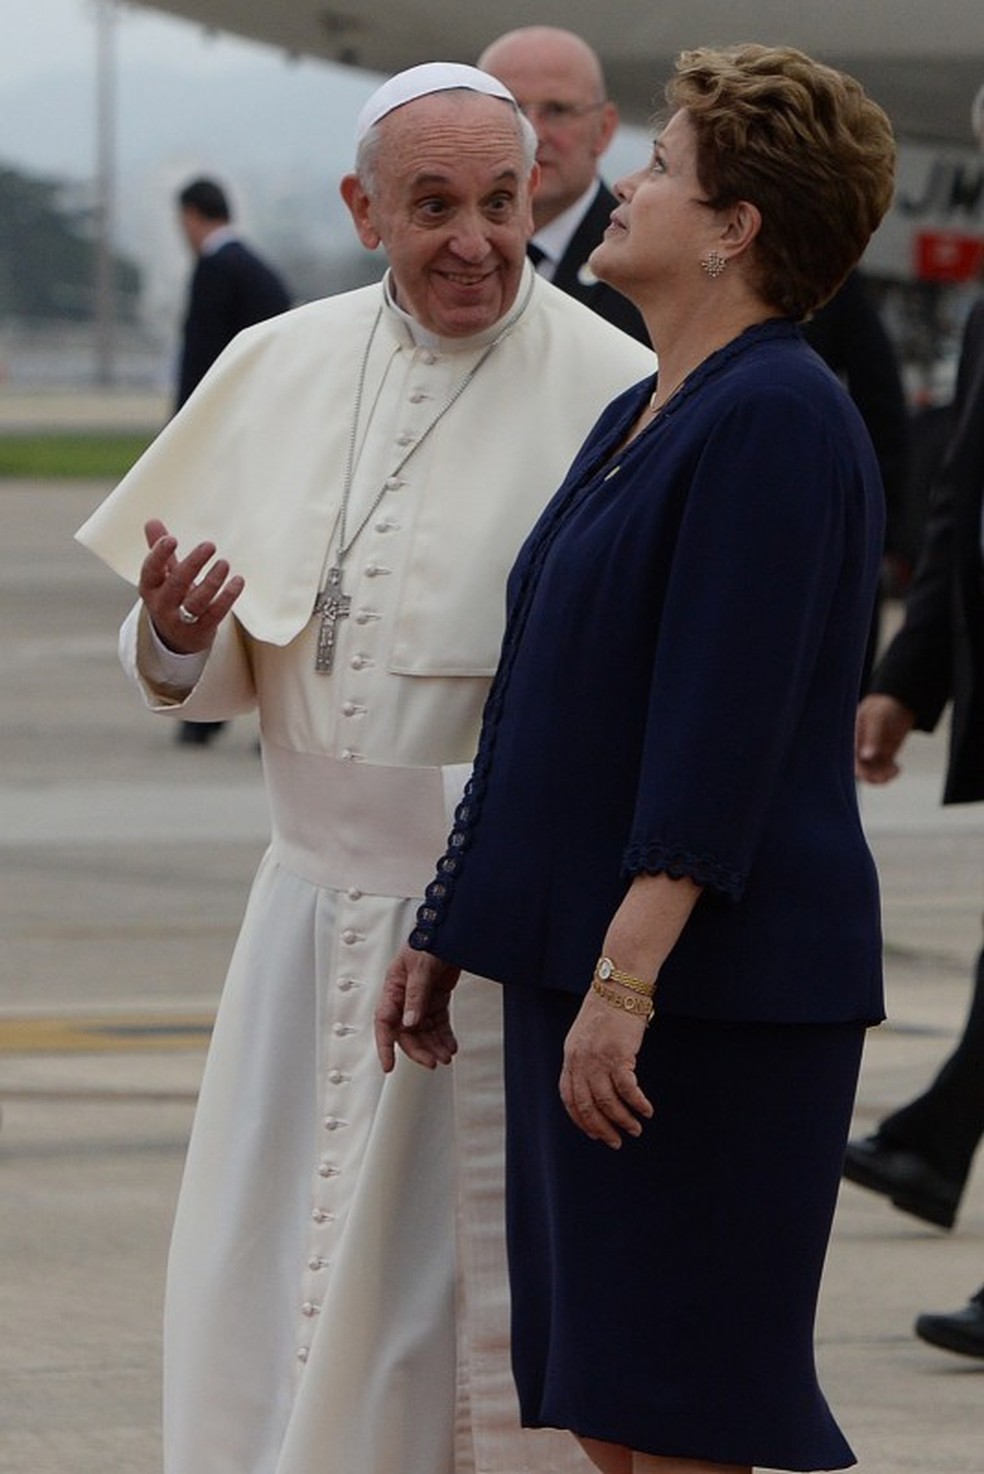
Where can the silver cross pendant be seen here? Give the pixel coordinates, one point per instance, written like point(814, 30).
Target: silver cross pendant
point(332, 604)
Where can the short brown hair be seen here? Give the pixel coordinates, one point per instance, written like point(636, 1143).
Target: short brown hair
point(805, 145)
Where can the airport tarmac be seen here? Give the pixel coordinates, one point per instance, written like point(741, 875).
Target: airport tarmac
point(124, 866)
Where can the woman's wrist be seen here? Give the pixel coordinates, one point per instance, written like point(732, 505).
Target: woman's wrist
point(623, 990)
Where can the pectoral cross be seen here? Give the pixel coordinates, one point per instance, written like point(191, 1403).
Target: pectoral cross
point(332, 605)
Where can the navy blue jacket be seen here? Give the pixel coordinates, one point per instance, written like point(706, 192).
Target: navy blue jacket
point(677, 692)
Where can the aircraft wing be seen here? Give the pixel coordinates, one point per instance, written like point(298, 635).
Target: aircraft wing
point(922, 62)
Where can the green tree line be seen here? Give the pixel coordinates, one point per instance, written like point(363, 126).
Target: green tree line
point(48, 255)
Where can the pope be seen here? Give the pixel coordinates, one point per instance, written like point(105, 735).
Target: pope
point(323, 534)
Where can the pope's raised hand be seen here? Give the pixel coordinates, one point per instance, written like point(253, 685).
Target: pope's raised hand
point(186, 598)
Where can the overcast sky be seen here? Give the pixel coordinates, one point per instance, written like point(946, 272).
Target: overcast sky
point(181, 92)
point(174, 82)
point(41, 36)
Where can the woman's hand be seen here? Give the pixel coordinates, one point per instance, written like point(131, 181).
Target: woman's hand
point(185, 606)
point(415, 1010)
point(598, 1082)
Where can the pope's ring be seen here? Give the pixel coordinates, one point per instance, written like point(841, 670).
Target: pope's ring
point(186, 616)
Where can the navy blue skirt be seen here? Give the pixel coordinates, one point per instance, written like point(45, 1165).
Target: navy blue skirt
point(664, 1295)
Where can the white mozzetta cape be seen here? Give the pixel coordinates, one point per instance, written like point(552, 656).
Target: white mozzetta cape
point(255, 463)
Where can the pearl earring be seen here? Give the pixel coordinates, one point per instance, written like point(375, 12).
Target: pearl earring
point(713, 263)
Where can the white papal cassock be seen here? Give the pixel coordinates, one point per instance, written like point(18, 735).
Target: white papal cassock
point(336, 1298)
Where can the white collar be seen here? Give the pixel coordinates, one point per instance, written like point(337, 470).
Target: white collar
point(424, 338)
point(553, 239)
point(217, 238)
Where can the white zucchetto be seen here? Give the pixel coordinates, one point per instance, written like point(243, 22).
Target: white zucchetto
point(421, 81)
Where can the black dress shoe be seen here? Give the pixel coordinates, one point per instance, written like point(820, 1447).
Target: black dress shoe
point(198, 734)
point(908, 1179)
point(963, 1331)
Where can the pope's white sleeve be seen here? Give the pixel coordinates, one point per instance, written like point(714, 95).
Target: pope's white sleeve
point(212, 686)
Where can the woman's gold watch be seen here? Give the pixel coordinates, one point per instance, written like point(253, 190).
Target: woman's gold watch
point(606, 972)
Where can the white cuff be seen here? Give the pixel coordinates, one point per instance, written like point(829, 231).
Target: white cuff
point(164, 667)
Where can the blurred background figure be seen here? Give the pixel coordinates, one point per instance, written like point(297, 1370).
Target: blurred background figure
point(850, 337)
point(921, 1155)
point(558, 82)
point(231, 288)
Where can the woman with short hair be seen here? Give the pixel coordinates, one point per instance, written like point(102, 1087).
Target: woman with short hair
point(662, 824)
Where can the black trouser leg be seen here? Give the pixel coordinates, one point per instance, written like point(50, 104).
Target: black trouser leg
point(198, 734)
point(946, 1122)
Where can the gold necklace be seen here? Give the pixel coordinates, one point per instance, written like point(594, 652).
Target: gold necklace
point(657, 409)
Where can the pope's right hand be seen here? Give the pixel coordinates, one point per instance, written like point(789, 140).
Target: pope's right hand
point(185, 605)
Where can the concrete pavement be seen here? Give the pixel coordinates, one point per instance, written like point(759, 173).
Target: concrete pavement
point(124, 865)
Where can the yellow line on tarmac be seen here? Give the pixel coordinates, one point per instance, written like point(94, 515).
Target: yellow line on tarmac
point(123, 1033)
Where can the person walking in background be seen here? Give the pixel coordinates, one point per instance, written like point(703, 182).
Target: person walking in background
point(368, 466)
point(850, 337)
point(231, 288)
point(557, 80)
point(662, 824)
point(921, 1155)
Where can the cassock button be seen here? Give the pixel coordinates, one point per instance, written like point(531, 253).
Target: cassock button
point(349, 937)
point(309, 1308)
point(302, 1354)
point(353, 893)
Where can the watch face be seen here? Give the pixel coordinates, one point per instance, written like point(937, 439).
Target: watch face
point(605, 969)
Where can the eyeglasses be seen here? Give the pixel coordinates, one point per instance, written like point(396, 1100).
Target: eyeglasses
point(558, 114)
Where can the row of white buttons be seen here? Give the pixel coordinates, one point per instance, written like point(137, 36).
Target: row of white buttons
point(332, 1122)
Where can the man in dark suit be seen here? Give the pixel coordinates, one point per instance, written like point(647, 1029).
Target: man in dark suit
point(920, 1156)
point(557, 80)
point(231, 288)
point(850, 337)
